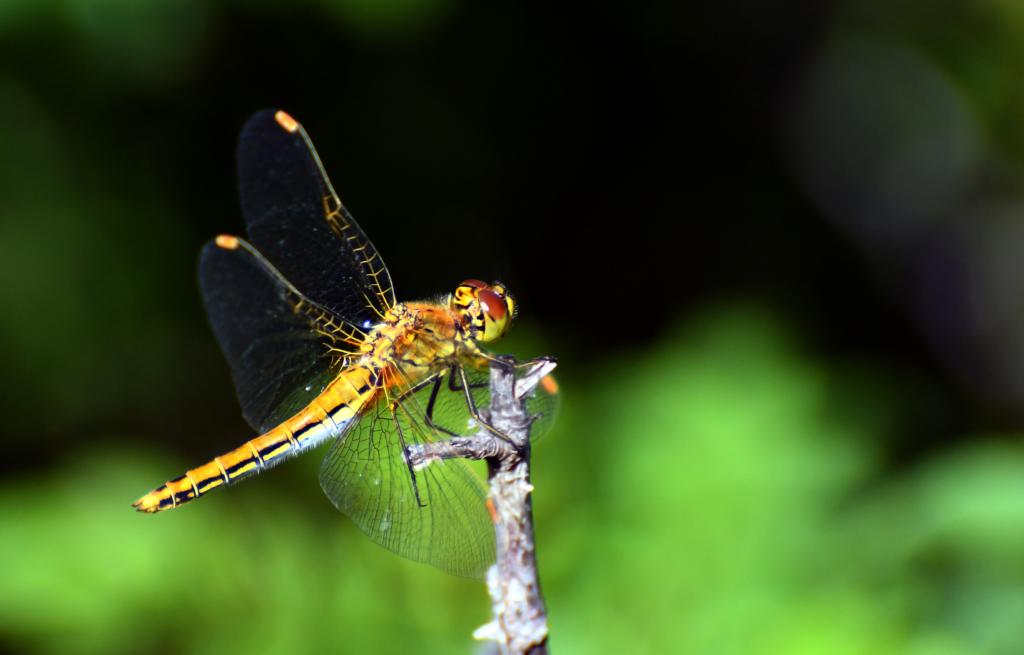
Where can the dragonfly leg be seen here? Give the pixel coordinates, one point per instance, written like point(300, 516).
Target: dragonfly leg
point(393, 407)
point(436, 381)
point(455, 385)
point(471, 404)
point(507, 360)
point(422, 384)
point(429, 413)
point(405, 452)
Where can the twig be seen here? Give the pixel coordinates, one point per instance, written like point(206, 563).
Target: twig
point(520, 621)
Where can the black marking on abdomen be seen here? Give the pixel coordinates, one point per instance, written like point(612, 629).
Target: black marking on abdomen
point(304, 430)
point(205, 484)
point(275, 448)
point(230, 470)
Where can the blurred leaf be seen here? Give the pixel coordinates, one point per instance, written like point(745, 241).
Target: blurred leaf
point(149, 42)
point(83, 573)
point(711, 495)
point(391, 20)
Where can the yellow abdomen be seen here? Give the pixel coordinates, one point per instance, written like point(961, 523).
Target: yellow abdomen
point(326, 417)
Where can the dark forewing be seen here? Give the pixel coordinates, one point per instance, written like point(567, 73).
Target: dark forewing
point(279, 361)
point(296, 221)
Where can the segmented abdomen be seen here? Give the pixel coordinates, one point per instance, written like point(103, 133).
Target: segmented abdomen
point(326, 417)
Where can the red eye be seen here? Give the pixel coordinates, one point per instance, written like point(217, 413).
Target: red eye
point(493, 305)
point(474, 283)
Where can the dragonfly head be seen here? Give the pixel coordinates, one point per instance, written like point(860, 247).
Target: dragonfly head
point(485, 310)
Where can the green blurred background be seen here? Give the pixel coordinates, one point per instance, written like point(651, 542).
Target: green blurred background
point(776, 247)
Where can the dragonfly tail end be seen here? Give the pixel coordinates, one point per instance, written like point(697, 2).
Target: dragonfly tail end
point(151, 502)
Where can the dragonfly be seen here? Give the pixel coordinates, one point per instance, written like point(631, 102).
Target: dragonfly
point(320, 351)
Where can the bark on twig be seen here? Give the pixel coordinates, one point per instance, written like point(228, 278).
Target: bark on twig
point(520, 619)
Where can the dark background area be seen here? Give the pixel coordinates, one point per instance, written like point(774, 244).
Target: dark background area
point(614, 165)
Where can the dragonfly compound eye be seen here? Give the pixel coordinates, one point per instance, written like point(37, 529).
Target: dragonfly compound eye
point(496, 316)
point(487, 311)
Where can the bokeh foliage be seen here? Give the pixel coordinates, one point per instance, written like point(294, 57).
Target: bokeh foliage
point(712, 495)
point(778, 474)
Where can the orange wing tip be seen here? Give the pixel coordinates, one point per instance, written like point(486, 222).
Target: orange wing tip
point(492, 510)
point(286, 121)
point(227, 242)
point(549, 384)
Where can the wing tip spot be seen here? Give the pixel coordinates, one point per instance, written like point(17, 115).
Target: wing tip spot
point(227, 242)
point(286, 121)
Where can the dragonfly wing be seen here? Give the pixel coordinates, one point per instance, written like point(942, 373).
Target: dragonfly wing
point(450, 409)
point(279, 362)
point(296, 221)
point(543, 402)
point(367, 478)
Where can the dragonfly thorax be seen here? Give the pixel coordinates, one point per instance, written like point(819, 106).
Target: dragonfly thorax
point(484, 311)
point(421, 335)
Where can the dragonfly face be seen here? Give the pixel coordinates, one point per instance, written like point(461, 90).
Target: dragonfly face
point(486, 311)
point(321, 351)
